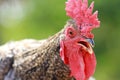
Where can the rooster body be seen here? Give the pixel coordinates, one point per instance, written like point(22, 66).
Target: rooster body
point(67, 55)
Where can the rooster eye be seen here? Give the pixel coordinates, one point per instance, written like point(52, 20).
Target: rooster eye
point(71, 32)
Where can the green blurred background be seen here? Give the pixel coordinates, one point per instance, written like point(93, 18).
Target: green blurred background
point(38, 19)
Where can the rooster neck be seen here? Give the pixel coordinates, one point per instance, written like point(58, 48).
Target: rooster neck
point(43, 63)
point(50, 43)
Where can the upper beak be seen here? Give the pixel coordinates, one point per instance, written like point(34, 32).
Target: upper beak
point(87, 45)
point(91, 41)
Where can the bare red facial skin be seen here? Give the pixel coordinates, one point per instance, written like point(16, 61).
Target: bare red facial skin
point(81, 63)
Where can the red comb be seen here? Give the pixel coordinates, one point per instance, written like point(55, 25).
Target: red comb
point(82, 14)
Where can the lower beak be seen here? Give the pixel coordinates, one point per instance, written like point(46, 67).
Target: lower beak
point(87, 45)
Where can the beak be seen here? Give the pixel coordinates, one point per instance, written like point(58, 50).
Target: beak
point(91, 41)
point(87, 45)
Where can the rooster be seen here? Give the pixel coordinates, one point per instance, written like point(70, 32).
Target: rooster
point(67, 55)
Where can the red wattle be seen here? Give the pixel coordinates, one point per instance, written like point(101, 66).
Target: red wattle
point(90, 64)
point(77, 66)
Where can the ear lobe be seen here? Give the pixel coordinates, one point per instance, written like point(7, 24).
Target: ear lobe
point(62, 53)
point(62, 50)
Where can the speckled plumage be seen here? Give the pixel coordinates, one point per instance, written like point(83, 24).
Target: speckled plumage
point(36, 63)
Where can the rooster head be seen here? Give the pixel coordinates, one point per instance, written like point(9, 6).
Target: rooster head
point(76, 47)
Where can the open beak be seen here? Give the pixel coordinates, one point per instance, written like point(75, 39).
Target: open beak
point(87, 45)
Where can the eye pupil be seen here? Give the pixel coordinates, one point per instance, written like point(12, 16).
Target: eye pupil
point(71, 32)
